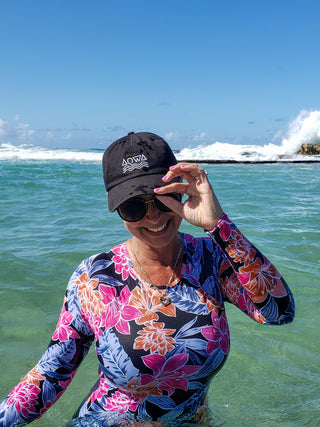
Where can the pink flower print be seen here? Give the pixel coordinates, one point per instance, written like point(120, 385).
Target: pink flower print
point(191, 239)
point(168, 374)
point(120, 402)
point(65, 383)
point(224, 225)
point(218, 334)
point(108, 293)
point(46, 407)
point(245, 304)
point(95, 323)
point(118, 312)
point(101, 391)
point(24, 397)
point(63, 330)
point(121, 261)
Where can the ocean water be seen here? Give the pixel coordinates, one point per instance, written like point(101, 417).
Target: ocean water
point(54, 213)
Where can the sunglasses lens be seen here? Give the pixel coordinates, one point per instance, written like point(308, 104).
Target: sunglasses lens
point(163, 207)
point(135, 209)
point(132, 210)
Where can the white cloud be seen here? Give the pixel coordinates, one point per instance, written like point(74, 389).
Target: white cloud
point(200, 137)
point(49, 135)
point(23, 131)
point(171, 136)
point(16, 117)
point(2, 127)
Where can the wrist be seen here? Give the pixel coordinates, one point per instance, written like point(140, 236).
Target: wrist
point(218, 224)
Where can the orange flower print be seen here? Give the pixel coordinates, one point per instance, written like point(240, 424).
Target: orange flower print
point(240, 249)
point(34, 377)
point(230, 287)
point(155, 338)
point(212, 303)
point(263, 279)
point(224, 266)
point(141, 391)
point(146, 300)
point(91, 298)
point(245, 304)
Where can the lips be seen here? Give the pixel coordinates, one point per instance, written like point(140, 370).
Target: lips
point(158, 229)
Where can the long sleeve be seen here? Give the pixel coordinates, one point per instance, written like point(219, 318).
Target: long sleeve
point(46, 382)
point(249, 280)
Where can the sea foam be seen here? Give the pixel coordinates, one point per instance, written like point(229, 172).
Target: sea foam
point(304, 129)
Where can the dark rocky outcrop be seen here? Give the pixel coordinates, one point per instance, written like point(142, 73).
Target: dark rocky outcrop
point(310, 149)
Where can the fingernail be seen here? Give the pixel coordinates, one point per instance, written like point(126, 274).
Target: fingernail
point(164, 177)
point(172, 167)
point(156, 189)
point(183, 166)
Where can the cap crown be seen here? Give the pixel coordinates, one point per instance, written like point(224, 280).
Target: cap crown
point(136, 154)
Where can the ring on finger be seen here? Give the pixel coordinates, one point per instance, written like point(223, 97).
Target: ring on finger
point(198, 177)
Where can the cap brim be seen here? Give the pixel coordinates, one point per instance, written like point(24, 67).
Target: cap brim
point(137, 186)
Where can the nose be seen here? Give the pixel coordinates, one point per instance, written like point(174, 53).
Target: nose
point(153, 213)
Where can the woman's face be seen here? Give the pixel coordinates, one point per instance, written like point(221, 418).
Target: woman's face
point(156, 228)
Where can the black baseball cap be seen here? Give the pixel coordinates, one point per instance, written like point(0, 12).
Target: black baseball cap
point(134, 165)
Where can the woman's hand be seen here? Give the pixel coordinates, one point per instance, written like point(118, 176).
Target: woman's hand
point(202, 207)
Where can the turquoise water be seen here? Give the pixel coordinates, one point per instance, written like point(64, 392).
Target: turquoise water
point(54, 214)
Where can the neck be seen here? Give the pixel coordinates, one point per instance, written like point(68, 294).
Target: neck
point(151, 256)
point(155, 270)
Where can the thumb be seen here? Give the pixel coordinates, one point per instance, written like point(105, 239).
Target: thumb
point(171, 203)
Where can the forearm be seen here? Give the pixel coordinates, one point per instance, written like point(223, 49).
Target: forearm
point(255, 275)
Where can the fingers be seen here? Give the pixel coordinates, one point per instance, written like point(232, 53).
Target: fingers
point(173, 204)
point(193, 176)
point(188, 171)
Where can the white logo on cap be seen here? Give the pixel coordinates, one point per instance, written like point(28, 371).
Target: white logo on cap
point(136, 162)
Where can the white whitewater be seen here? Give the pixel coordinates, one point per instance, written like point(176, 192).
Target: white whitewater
point(304, 129)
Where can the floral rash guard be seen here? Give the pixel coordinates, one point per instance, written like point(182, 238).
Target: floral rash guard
point(155, 362)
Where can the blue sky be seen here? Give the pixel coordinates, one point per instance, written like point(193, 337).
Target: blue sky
point(84, 73)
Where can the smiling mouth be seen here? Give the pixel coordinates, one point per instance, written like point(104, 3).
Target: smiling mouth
point(158, 229)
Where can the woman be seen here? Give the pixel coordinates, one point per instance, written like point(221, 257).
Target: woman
point(154, 305)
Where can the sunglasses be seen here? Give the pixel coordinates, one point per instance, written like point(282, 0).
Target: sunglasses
point(134, 209)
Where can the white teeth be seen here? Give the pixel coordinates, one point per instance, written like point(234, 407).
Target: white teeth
point(155, 230)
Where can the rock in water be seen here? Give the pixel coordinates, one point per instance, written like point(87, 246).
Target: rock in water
point(309, 149)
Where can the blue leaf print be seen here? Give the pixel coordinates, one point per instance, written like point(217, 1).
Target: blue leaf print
point(194, 358)
point(101, 264)
point(214, 361)
point(84, 266)
point(48, 392)
point(192, 385)
point(270, 311)
point(164, 402)
point(186, 326)
point(189, 408)
point(211, 287)
point(116, 363)
point(195, 344)
point(9, 417)
point(186, 299)
point(142, 413)
point(56, 357)
point(177, 350)
point(105, 279)
point(82, 327)
point(73, 301)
